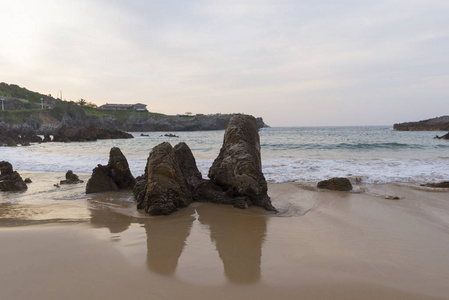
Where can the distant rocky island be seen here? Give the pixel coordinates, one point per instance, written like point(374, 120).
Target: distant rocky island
point(435, 124)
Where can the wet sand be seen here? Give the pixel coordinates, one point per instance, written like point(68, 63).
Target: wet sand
point(322, 245)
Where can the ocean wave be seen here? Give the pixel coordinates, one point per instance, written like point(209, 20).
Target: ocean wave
point(345, 146)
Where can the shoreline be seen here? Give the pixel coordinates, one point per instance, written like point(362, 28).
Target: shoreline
point(322, 245)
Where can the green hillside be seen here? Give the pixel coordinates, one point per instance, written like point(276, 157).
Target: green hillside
point(13, 90)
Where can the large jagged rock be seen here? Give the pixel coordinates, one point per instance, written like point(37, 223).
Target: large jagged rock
point(336, 184)
point(101, 181)
point(112, 177)
point(202, 190)
point(166, 190)
point(10, 180)
point(172, 179)
point(120, 172)
point(238, 167)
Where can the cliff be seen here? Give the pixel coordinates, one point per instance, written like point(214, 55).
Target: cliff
point(173, 123)
point(66, 114)
point(435, 124)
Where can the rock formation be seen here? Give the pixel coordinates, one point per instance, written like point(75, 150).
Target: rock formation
point(84, 134)
point(443, 184)
point(112, 177)
point(166, 190)
point(180, 123)
point(238, 167)
point(120, 172)
point(71, 178)
point(14, 135)
point(336, 184)
point(172, 179)
point(101, 181)
point(435, 124)
point(10, 180)
point(444, 137)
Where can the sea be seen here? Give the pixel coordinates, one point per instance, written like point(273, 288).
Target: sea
point(369, 154)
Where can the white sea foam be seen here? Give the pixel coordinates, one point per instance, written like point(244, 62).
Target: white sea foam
point(368, 171)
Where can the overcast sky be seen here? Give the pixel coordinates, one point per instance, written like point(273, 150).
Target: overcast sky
point(294, 63)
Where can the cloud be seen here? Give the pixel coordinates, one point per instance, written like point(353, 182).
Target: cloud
point(293, 62)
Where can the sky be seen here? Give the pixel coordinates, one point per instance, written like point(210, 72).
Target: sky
point(294, 63)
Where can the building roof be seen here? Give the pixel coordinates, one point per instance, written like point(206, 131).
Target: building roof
point(122, 105)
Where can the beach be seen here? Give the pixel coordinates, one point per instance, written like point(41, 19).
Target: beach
point(321, 245)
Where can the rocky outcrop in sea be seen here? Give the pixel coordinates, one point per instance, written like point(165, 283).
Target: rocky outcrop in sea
point(181, 123)
point(434, 124)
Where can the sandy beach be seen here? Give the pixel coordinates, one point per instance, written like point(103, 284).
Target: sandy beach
point(322, 245)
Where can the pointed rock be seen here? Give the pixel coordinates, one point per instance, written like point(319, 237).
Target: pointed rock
point(238, 167)
point(120, 172)
point(112, 177)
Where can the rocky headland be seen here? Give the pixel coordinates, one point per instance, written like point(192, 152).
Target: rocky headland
point(68, 122)
point(434, 124)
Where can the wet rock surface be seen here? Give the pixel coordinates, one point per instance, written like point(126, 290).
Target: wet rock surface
point(238, 167)
point(166, 189)
point(120, 172)
point(112, 177)
point(10, 180)
point(336, 184)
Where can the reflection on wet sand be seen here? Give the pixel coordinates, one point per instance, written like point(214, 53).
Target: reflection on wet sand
point(238, 236)
point(166, 239)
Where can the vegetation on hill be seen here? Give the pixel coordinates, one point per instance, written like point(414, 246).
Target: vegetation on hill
point(25, 108)
point(13, 90)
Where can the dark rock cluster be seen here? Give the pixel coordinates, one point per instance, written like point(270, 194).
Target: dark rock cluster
point(17, 135)
point(10, 180)
point(172, 180)
point(112, 177)
point(85, 134)
point(181, 123)
point(71, 178)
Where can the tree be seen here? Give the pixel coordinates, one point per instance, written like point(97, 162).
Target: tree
point(188, 113)
point(81, 102)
